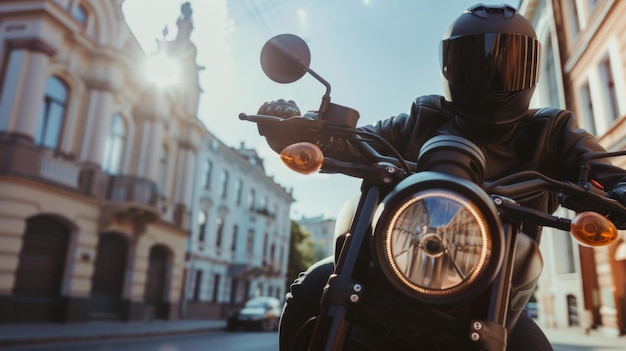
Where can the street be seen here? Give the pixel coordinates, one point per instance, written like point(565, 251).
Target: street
point(561, 339)
point(219, 340)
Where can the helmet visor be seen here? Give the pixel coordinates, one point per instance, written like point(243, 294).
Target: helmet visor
point(493, 62)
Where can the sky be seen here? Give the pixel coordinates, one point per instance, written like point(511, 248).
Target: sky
point(378, 56)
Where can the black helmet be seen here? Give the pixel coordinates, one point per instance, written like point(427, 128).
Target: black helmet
point(490, 64)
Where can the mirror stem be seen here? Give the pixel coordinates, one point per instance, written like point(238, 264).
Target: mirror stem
point(326, 97)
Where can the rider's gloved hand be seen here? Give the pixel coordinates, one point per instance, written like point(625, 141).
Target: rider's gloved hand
point(279, 108)
point(618, 193)
point(280, 135)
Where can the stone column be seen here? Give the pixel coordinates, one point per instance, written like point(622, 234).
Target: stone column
point(151, 148)
point(24, 86)
point(98, 125)
point(185, 174)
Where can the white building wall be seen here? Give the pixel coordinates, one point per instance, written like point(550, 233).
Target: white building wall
point(258, 271)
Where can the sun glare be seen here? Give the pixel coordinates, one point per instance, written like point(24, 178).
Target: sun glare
point(162, 70)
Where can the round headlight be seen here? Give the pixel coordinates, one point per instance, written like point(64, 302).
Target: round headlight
point(435, 244)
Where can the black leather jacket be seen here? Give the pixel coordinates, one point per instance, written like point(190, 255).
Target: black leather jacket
point(544, 140)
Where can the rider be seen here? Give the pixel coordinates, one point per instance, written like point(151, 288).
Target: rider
point(490, 67)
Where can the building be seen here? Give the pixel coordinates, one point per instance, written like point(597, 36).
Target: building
point(96, 165)
point(585, 59)
point(239, 243)
point(322, 231)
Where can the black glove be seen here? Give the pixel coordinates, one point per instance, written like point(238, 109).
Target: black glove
point(618, 193)
point(279, 135)
point(279, 108)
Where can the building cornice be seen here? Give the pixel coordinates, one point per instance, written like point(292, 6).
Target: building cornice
point(31, 44)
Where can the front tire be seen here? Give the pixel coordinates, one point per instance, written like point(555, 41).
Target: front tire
point(302, 302)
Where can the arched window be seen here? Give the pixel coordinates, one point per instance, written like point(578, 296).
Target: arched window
point(52, 113)
point(80, 14)
point(202, 219)
point(114, 145)
point(251, 199)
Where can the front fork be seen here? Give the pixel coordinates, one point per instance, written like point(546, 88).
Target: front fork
point(342, 291)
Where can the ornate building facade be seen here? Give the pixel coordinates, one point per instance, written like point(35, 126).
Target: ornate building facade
point(584, 70)
point(239, 244)
point(96, 165)
point(115, 201)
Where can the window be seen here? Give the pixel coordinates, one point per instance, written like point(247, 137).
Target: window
point(591, 5)
point(564, 251)
point(197, 286)
point(216, 287)
point(272, 257)
point(250, 243)
point(608, 90)
point(52, 114)
point(208, 166)
point(202, 219)
point(550, 90)
point(251, 199)
point(233, 244)
point(238, 190)
point(586, 106)
point(80, 14)
point(246, 290)
point(234, 285)
point(224, 183)
point(265, 243)
point(219, 228)
point(572, 19)
point(114, 145)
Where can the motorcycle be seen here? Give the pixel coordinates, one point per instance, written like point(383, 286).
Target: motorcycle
point(429, 257)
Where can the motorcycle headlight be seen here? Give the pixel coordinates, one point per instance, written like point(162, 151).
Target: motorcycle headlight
point(436, 243)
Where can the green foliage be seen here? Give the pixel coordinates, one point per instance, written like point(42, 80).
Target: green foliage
point(301, 253)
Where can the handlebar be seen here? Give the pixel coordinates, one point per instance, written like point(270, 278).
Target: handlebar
point(376, 166)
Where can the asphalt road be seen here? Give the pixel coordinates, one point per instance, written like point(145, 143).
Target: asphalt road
point(268, 341)
point(219, 340)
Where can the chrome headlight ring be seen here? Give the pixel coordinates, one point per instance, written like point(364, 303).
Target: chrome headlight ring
point(438, 238)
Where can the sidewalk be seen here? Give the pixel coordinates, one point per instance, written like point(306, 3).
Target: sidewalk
point(18, 334)
point(580, 338)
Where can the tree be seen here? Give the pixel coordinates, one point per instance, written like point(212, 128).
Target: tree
point(301, 253)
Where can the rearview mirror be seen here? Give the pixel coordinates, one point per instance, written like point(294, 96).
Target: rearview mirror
point(285, 58)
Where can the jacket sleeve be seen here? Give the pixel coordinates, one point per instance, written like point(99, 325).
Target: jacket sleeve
point(572, 145)
point(403, 132)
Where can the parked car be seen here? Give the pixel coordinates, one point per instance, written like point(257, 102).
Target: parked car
point(261, 312)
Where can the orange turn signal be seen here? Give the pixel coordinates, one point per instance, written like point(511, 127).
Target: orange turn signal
point(593, 229)
point(302, 157)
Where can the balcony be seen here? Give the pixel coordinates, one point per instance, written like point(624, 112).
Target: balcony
point(124, 188)
point(132, 199)
point(263, 211)
point(20, 157)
